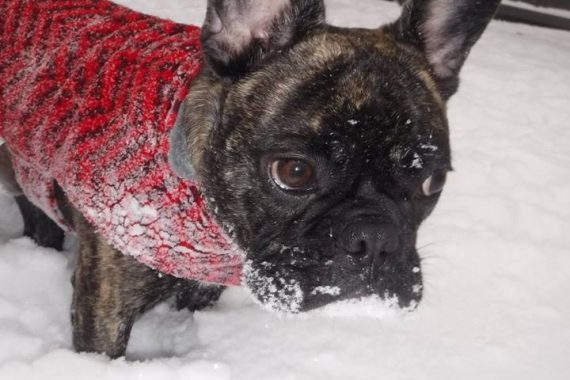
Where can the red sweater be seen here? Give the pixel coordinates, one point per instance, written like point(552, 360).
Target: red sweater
point(89, 91)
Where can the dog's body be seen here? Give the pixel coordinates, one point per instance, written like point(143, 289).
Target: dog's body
point(320, 151)
point(105, 96)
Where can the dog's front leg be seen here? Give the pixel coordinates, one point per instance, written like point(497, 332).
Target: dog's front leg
point(110, 291)
point(37, 225)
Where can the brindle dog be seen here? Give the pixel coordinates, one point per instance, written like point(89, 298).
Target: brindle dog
point(320, 148)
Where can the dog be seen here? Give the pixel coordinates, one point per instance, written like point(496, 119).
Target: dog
point(317, 150)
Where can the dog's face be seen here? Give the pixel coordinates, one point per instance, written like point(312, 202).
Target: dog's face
point(321, 149)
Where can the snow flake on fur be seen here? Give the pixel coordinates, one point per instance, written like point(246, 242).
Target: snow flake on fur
point(89, 91)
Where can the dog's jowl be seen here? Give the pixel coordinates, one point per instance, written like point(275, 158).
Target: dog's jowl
point(267, 148)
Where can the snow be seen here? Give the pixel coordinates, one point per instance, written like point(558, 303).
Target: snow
point(330, 290)
point(289, 296)
point(417, 162)
point(495, 256)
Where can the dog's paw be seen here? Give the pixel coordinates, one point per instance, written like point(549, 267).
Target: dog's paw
point(197, 296)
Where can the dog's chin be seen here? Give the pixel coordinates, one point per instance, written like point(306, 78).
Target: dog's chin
point(290, 289)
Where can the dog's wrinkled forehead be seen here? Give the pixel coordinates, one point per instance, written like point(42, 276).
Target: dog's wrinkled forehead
point(337, 79)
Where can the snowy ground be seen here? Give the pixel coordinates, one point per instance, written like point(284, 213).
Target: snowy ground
point(497, 255)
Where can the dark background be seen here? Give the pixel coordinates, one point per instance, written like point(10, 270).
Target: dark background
point(534, 17)
point(564, 4)
point(510, 12)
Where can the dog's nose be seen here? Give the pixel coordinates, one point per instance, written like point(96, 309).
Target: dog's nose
point(370, 239)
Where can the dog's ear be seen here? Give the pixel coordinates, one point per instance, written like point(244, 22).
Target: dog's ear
point(179, 152)
point(445, 31)
point(240, 35)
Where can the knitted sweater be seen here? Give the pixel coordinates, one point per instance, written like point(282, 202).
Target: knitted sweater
point(89, 91)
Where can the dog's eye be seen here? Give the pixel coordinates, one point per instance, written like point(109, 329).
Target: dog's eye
point(292, 174)
point(434, 184)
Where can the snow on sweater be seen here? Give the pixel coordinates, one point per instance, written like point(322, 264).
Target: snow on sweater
point(89, 91)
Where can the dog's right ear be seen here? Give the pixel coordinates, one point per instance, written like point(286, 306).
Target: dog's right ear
point(444, 31)
point(240, 35)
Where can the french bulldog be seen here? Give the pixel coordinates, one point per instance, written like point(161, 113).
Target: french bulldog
point(319, 149)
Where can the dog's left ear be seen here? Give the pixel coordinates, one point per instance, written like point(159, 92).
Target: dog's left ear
point(445, 31)
point(178, 152)
point(240, 35)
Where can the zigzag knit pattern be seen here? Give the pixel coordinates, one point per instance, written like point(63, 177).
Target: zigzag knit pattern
point(89, 91)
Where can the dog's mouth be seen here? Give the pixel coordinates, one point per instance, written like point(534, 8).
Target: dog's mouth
point(303, 285)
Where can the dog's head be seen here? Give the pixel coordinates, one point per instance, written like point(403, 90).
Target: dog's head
point(322, 149)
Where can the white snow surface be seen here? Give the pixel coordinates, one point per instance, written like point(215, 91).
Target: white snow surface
point(496, 255)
